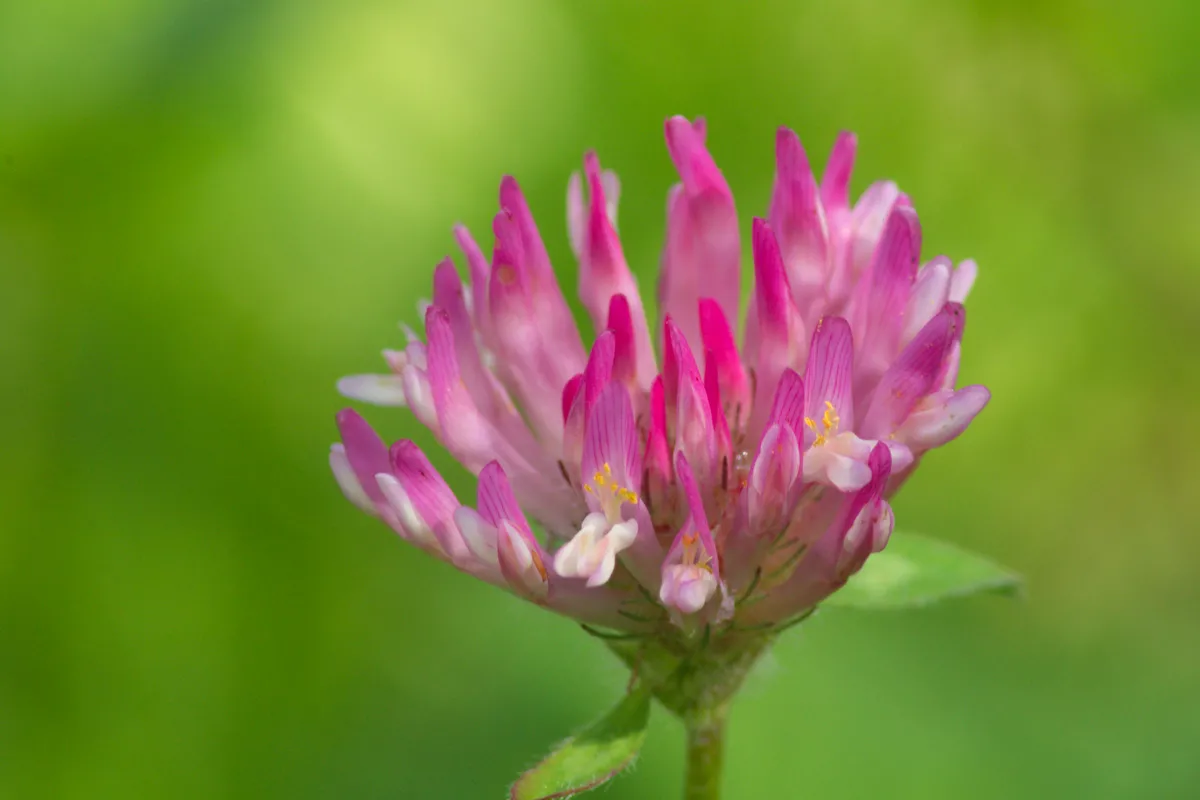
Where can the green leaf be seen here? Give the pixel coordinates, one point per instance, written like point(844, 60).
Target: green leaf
point(591, 757)
point(915, 571)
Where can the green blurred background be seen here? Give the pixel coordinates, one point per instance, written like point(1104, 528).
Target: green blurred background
point(210, 210)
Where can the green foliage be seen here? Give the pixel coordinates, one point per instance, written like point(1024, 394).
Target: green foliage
point(593, 756)
point(914, 571)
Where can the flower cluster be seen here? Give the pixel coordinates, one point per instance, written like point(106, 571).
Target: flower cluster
point(703, 483)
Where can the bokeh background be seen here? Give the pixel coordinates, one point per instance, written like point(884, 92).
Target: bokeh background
point(210, 210)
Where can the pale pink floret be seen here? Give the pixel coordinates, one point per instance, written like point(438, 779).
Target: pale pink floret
point(703, 484)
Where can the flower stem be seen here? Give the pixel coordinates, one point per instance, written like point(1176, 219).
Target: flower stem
point(705, 754)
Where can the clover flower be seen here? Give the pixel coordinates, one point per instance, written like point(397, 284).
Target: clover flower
point(697, 484)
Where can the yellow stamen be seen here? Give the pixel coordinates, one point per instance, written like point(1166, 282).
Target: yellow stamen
point(829, 423)
point(610, 493)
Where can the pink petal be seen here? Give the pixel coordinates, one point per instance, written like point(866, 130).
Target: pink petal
point(694, 432)
point(696, 513)
point(835, 183)
point(519, 239)
point(448, 295)
point(718, 339)
point(913, 374)
point(514, 207)
point(495, 500)
point(692, 160)
point(830, 371)
point(703, 249)
point(774, 480)
point(480, 271)
point(870, 499)
point(799, 222)
point(522, 562)
point(712, 388)
point(780, 329)
point(537, 359)
point(569, 394)
point(788, 408)
point(883, 295)
point(620, 322)
point(464, 432)
point(612, 438)
point(929, 294)
point(863, 231)
point(827, 565)
point(942, 417)
point(432, 500)
point(658, 456)
point(604, 273)
point(365, 452)
point(599, 370)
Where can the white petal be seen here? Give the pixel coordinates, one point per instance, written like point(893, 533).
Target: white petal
point(522, 555)
point(347, 480)
point(566, 560)
point(612, 194)
point(420, 398)
point(477, 533)
point(406, 512)
point(622, 535)
point(604, 569)
point(902, 457)
point(858, 529)
point(962, 281)
point(846, 474)
point(576, 214)
point(379, 390)
point(882, 531)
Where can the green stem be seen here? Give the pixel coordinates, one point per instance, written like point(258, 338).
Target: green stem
point(705, 754)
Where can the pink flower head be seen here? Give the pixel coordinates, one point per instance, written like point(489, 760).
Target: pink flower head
point(705, 484)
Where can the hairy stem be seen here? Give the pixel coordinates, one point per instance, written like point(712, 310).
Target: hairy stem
point(705, 753)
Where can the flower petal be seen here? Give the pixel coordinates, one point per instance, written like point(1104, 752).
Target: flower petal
point(882, 296)
point(963, 280)
point(703, 250)
point(718, 339)
point(365, 452)
point(828, 376)
point(776, 321)
point(929, 294)
point(913, 374)
point(695, 434)
point(942, 417)
point(789, 405)
point(835, 183)
point(480, 271)
point(378, 390)
point(612, 438)
point(798, 220)
point(430, 501)
point(346, 479)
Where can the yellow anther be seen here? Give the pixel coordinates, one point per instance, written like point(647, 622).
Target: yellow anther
point(610, 493)
point(830, 419)
point(829, 424)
